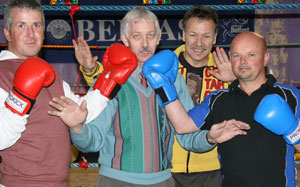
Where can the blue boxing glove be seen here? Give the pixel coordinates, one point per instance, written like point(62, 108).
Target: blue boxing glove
point(161, 71)
point(275, 114)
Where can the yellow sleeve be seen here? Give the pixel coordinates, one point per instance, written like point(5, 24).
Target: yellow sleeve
point(90, 76)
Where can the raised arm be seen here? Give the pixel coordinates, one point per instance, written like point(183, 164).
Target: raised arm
point(161, 72)
point(224, 72)
point(30, 78)
point(83, 55)
point(89, 66)
point(179, 118)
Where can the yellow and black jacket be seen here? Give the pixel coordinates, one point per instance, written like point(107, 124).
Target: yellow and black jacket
point(185, 161)
point(89, 77)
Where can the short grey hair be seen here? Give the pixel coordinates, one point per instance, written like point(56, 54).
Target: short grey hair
point(22, 4)
point(138, 13)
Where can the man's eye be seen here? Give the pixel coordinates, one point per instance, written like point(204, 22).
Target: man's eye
point(37, 25)
point(151, 35)
point(21, 26)
point(136, 36)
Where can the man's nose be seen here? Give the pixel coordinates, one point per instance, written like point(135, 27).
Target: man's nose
point(30, 31)
point(145, 41)
point(199, 41)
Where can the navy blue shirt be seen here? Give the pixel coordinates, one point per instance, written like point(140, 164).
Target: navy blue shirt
point(260, 158)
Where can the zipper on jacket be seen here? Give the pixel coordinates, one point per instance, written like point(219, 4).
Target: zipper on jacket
point(187, 162)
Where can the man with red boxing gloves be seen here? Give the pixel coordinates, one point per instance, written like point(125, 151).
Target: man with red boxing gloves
point(39, 155)
point(262, 157)
point(12, 125)
point(132, 134)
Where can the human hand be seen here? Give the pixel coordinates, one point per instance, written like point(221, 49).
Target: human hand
point(224, 72)
point(222, 132)
point(83, 55)
point(72, 114)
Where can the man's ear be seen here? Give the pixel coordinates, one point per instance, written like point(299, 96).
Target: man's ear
point(183, 36)
point(6, 34)
point(124, 40)
point(159, 37)
point(215, 39)
point(266, 58)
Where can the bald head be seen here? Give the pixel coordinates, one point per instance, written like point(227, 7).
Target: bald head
point(249, 57)
point(250, 37)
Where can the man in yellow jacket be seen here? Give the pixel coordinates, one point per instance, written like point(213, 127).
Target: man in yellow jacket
point(198, 65)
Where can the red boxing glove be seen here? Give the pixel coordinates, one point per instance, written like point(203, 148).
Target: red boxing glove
point(118, 64)
point(33, 74)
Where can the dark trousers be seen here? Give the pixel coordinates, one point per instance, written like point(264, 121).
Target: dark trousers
point(199, 179)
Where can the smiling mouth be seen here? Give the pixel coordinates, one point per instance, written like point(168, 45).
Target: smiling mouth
point(31, 43)
point(198, 50)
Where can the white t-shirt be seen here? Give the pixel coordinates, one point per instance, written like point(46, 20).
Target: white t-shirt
point(12, 125)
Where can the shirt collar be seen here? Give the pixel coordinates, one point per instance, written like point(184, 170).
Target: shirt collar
point(270, 82)
point(7, 55)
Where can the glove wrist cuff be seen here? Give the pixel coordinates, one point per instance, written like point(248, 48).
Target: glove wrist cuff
point(107, 87)
point(293, 137)
point(114, 91)
point(19, 103)
point(167, 94)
